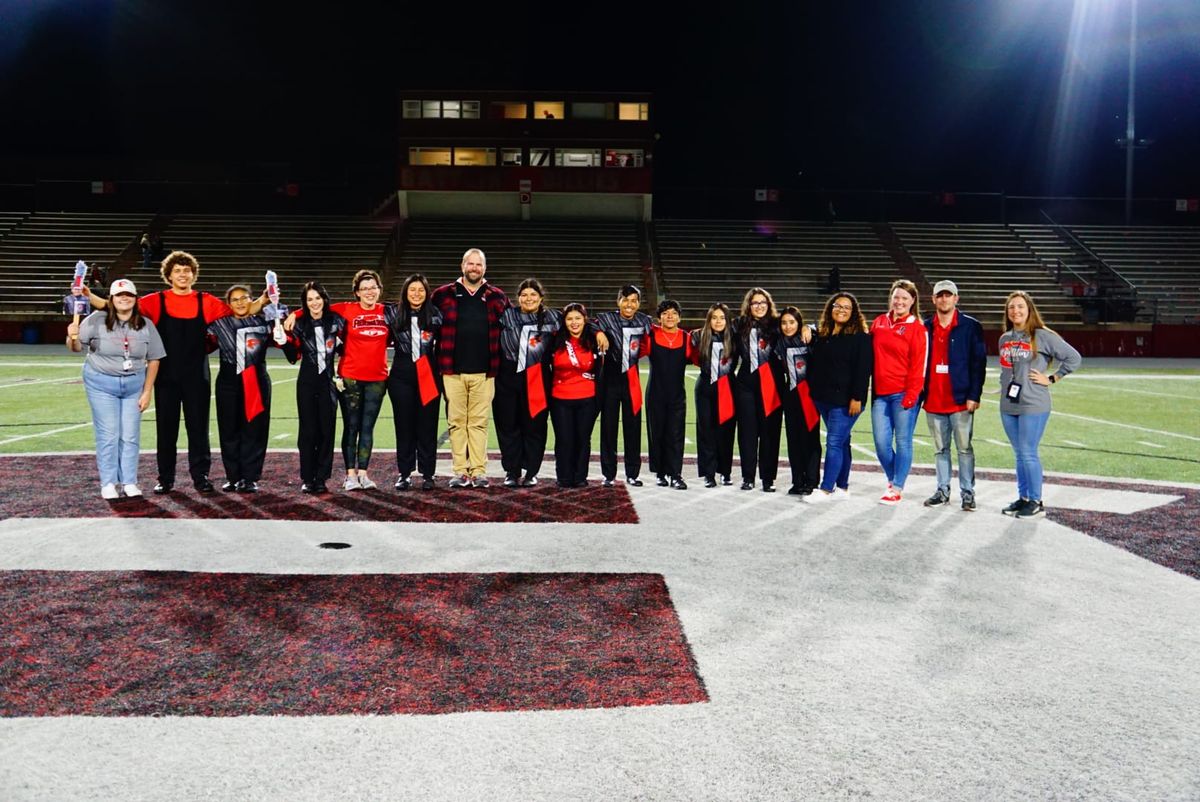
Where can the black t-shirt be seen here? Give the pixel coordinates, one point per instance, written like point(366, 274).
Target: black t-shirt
point(471, 353)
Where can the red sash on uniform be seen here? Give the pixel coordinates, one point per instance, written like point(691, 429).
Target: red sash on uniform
point(425, 381)
point(535, 389)
point(811, 416)
point(251, 395)
point(635, 389)
point(724, 400)
point(770, 394)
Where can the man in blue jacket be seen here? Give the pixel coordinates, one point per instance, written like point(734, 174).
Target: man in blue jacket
point(953, 385)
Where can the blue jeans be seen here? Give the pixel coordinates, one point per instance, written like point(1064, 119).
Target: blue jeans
point(958, 425)
point(838, 424)
point(1025, 433)
point(117, 422)
point(890, 421)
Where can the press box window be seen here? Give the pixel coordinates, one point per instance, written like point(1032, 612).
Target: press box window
point(548, 109)
point(633, 111)
point(508, 111)
point(539, 157)
point(412, 109)
point(623, 157)
point(439, 157)
point(511, 157)
point(577, 158)
point(591, 111)
point(475, 157)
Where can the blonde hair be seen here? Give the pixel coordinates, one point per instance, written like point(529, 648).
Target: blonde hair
point(911, 289)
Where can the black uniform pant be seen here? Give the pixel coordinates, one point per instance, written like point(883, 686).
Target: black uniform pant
point(617, 407)
point(416, 427)
point(522, 438)
point(573, 420)
point(714, 441)
point(803, 445)
point(243, 442)
point(191, 395)
point(666, 420)
point(758, 434)
point(316, 404)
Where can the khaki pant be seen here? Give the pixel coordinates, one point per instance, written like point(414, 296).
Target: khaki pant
point(468, 403)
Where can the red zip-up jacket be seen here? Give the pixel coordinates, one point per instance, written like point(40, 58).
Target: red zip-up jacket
point(900, 354)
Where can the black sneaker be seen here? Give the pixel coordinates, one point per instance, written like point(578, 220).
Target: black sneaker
point(1011, 509)
point(307, 489)
point(938, 499)
point(205, 486)
point(968, 502)
point(678, 483)
point(747, 485)
point(402, 483)
point(633, 481)
point(710, 481)
point(795, 490)
point(1032, 509)
point(530, 480)
point(768, 487)
point(511, 480)
point(161, 487)
point(427, 483)
point(726, 480)
point(247, 486)
point(663, 481)
point(607, 482)
point(229, 487)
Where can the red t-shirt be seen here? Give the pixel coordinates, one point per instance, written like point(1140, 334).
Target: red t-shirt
point(573, 379)
point(940, 400)
point(183, 306)
point(365, 358)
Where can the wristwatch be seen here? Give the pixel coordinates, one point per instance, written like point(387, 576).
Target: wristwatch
point(1053, 378)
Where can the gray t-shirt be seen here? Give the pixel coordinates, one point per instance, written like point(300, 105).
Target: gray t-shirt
point(1017, 358)
point(106, 350)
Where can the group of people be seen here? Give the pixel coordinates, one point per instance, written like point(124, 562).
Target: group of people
point(764, 375)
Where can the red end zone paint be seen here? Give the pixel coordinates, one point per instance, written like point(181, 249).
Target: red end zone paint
point(140, 643)
point(77, 495)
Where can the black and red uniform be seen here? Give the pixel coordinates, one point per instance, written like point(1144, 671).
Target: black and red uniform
point(621, 390)
point(756, 398)
point(414, 387)
point(666, 400)
point(716, 418)
point(573, 408)
point(801, 421)
point(520, 407)
point(184, 381)
point(314, 343)
point(243, 394)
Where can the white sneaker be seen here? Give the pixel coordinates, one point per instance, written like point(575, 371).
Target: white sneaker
point(132, 491)
point(841, 494)
point(364, 483)
point(818, 496)
point(351, 483)
point(109, 491)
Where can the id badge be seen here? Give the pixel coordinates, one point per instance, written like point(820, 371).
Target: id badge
point(1014, 392)
point(127, 364)
point(942, 368)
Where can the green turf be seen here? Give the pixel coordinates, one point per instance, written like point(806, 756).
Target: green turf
point(43, 408)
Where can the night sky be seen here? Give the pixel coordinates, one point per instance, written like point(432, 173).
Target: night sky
point(987, 95)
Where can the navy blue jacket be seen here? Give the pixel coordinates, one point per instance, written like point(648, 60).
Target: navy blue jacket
point(968, 358)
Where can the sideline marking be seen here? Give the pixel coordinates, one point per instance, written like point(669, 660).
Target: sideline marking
point(1119, 425)
point(1075, 443)
point(43, 381)
point(1152, 445)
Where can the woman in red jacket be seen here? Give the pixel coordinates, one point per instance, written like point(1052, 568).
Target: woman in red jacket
point(575, 363)
point(900, 343)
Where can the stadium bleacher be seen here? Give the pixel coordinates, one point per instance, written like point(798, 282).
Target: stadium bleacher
point(1162, 262)
point(300, 248)
point(705, 261)
point(987, 262)
point(575, 261)
point(38, 254)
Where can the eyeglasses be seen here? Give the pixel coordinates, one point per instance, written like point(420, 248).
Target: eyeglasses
point(842, 308)
point(758, 303)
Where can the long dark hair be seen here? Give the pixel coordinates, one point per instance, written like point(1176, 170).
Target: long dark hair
point(319, 288)
point(136, 321)
point(587, 338)
point(423, 312)
point(857, 324)
point(706, 334)
point(794, 312)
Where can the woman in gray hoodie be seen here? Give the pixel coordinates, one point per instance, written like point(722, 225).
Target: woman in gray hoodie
point(1027, 350)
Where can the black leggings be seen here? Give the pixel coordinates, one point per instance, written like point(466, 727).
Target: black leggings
point(360, 402)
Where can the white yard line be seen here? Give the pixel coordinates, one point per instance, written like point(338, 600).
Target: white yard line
point(1152, 445)
point(995, 442)
point(1075, 443)
point(1117, 424)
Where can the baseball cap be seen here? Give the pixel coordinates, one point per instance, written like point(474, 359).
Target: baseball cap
point(945, 286)
point(122, 285)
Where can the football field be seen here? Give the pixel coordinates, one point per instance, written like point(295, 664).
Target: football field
point(1115, 417)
